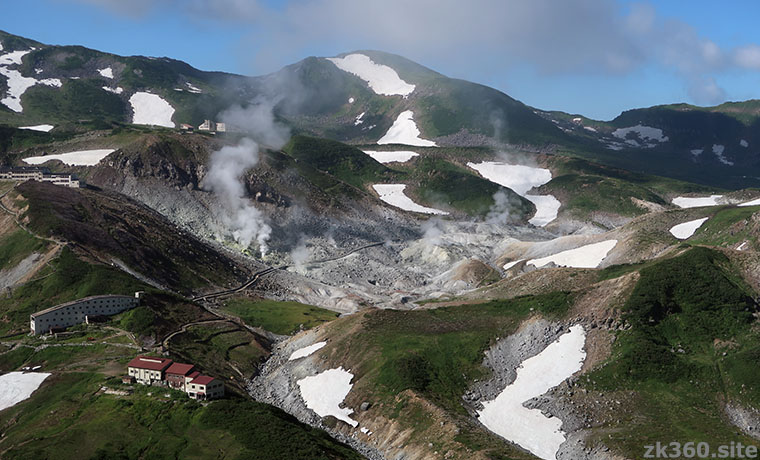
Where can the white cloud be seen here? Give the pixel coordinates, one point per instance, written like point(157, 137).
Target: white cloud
point(748, 56)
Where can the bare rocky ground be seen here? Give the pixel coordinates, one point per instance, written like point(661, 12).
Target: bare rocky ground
point(277, 385)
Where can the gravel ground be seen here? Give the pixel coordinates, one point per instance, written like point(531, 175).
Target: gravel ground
point(276, 385)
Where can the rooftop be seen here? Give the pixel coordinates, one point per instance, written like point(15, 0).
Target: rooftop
point(202, 380)
point(152, 363)
point(67, 304)
point(180, 369)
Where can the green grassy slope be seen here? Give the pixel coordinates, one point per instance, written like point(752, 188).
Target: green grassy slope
point(150, 425)
point(682, 312)
point(116, 227)
point(279, 317)
point(67, 278)
point(433, 354)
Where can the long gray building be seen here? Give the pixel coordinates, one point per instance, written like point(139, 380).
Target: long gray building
point(77, 311)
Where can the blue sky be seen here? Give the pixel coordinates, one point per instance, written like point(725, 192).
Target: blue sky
point(594, 57)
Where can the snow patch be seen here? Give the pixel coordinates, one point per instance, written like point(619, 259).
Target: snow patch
point(359, 120)
point(351, 100)
point(614, 146)
point(18, 84)
point(151, 109)
point(686, 229)
point(688, 202)
point(718, 151)
point(589, 128)
point(400, 156)
point(405, 131)
point(650, 136)
point(588, 256)
point(382, 79)
point(79, 158)
point(547, 208)
point(530, 428)
point(509, 265)
point(306, 351)
point(117, 90)
point(520, 179)
point(107, 72)
point(18, 386)
point(43, 128)
point(14, 57)
point(193, 89)
point(324, 393)
point(394, 195)
point(697, 152)
point(744, 143)
point(750, 203)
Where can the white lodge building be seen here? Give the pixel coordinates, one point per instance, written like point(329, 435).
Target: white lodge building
point(77, 311)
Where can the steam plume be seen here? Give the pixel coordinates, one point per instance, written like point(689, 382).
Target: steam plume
point(244, 221)
point(258, 121)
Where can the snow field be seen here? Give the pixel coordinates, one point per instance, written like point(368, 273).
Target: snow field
point(381, 79)
point(588, 256)
point(151, 109)
point(18, 386)
point(17, 83)
point(193, 89)
point(751, 203)
point(645, 133)
point(14, 57)
point(324, 393)
point(306, 351)
point(509, 265)
point(17, 86)
point(516, 177)
point(547, 208)
point(107, 72)
point(530, 428)
point(718, 151)
point(400, 156)
point(686, 229)
point(405, 131)
point(520, 179)
point(78, 158)
point(43, 128)
point(688, 202)
point(393, 194)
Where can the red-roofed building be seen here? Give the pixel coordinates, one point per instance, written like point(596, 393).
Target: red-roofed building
point(205, 387)
point(177, 373)
point(148, 369)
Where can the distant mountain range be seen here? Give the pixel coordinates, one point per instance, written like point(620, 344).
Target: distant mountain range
point(68, 86)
